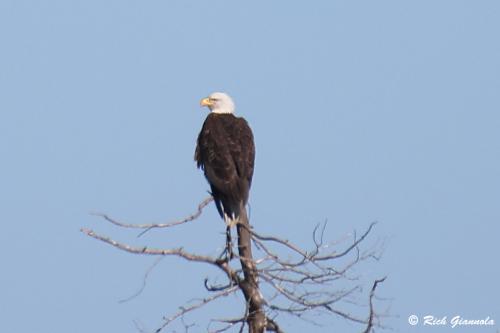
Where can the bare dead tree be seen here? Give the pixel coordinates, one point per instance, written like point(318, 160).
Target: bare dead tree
point(281, 278)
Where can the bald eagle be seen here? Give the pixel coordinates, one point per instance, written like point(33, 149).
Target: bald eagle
point(225, 151)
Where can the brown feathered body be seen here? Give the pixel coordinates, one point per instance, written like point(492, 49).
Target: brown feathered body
point(225, 151)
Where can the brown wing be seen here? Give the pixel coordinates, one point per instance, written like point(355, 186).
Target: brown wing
point(243, 152)
point(213, 155)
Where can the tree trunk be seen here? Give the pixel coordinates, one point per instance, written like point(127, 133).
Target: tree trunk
point(256, 319)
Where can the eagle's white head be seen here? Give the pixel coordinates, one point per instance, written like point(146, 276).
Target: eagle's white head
point(218, 102)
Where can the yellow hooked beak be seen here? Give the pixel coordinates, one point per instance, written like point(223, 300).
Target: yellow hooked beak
point(206, 102)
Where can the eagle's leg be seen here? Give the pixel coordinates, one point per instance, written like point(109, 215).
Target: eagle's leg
point(229, 243)
point(227, 254)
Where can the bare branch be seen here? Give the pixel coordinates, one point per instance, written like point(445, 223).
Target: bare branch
point(150, 226)
point(370, 324)
point(272, 326)
point(301, 285)
point(355, 244)
point(202, 302)
point(229, 324)
point(151, 251)
point(283, 242)
point(217, 287)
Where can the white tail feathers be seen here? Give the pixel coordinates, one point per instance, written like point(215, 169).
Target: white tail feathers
point(231, 221)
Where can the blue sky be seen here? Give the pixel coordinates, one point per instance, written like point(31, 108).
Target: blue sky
point(361, 111)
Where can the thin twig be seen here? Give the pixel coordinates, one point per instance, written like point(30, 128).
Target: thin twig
point(346, 251)
point(144, 280)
